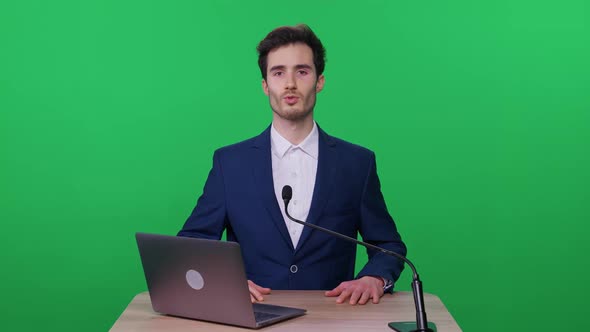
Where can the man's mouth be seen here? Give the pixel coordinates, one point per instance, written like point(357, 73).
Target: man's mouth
point(291, 100)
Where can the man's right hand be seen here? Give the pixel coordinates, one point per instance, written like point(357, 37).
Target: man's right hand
point(256, 292)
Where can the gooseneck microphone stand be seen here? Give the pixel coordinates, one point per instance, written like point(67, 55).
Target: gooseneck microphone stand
point(421, 324)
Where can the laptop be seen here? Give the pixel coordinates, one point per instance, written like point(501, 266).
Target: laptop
point(203, 279)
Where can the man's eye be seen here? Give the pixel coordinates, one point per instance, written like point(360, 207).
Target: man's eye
point(303, 72)
point(277, 73)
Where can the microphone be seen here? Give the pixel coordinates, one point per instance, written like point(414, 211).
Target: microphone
point(421, 324)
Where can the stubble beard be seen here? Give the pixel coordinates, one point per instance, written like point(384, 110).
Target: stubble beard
point(292, 113)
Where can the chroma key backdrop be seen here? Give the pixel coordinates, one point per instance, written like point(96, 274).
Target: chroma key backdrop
point(478, 112)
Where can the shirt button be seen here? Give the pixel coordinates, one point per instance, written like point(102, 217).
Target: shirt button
point(293, 268)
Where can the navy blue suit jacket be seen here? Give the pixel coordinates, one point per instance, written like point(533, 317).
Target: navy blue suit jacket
point(239, 196)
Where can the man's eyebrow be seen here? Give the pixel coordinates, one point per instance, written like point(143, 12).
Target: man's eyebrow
point(283, 67)
point(304, 66)
point(279, 67)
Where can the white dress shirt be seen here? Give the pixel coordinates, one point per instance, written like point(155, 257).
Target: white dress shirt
point(296, 166)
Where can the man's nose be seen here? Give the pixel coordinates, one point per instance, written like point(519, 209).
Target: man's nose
point(290, 82)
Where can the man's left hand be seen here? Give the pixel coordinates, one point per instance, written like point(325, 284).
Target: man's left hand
point(358, 291)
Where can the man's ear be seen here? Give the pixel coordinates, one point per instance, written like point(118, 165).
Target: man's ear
point(264, 87)
point(319, 85)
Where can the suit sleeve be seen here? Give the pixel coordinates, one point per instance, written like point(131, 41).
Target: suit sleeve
point(378, 228)
point(209, 218)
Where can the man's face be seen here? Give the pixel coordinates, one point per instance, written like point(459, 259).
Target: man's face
point(291, 81)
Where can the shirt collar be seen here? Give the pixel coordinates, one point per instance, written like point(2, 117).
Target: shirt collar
point(280, 145)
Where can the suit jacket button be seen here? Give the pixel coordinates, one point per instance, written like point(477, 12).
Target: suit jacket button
point(293, 269)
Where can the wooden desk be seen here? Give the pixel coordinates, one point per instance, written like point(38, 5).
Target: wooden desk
point(323, 314)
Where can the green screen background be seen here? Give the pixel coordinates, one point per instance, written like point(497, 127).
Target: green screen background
point(478, 113)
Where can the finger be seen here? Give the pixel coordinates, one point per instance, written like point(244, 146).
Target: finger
point(336, 291)
point(365, 297)
point(252, 299)
point(377, 293)
point(355, 296)
point(343, 296)
point(333, 292)
point(256, 294)
point(260, 289)
point(263, 290)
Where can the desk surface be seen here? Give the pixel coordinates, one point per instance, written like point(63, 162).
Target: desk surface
point(322, 313)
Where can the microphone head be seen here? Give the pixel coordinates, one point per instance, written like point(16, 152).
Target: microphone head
point(287, 193)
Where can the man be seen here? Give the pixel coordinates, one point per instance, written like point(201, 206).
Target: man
point(335, 185)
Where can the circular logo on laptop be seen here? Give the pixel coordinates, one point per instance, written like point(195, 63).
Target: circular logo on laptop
point(195, 279)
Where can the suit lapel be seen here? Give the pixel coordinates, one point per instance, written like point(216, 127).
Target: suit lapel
point(263, 178)
point(326, 173)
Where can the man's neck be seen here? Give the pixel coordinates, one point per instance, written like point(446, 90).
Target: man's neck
point(293, 131)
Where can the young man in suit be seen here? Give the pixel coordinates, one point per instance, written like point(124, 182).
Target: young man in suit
point(335, 185)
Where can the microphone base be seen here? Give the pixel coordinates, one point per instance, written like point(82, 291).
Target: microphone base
point(410, 327)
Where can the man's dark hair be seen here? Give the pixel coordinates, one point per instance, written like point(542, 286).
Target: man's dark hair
point(287, 35)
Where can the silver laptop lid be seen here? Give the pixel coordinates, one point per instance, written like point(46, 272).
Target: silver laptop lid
point(196, 278)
